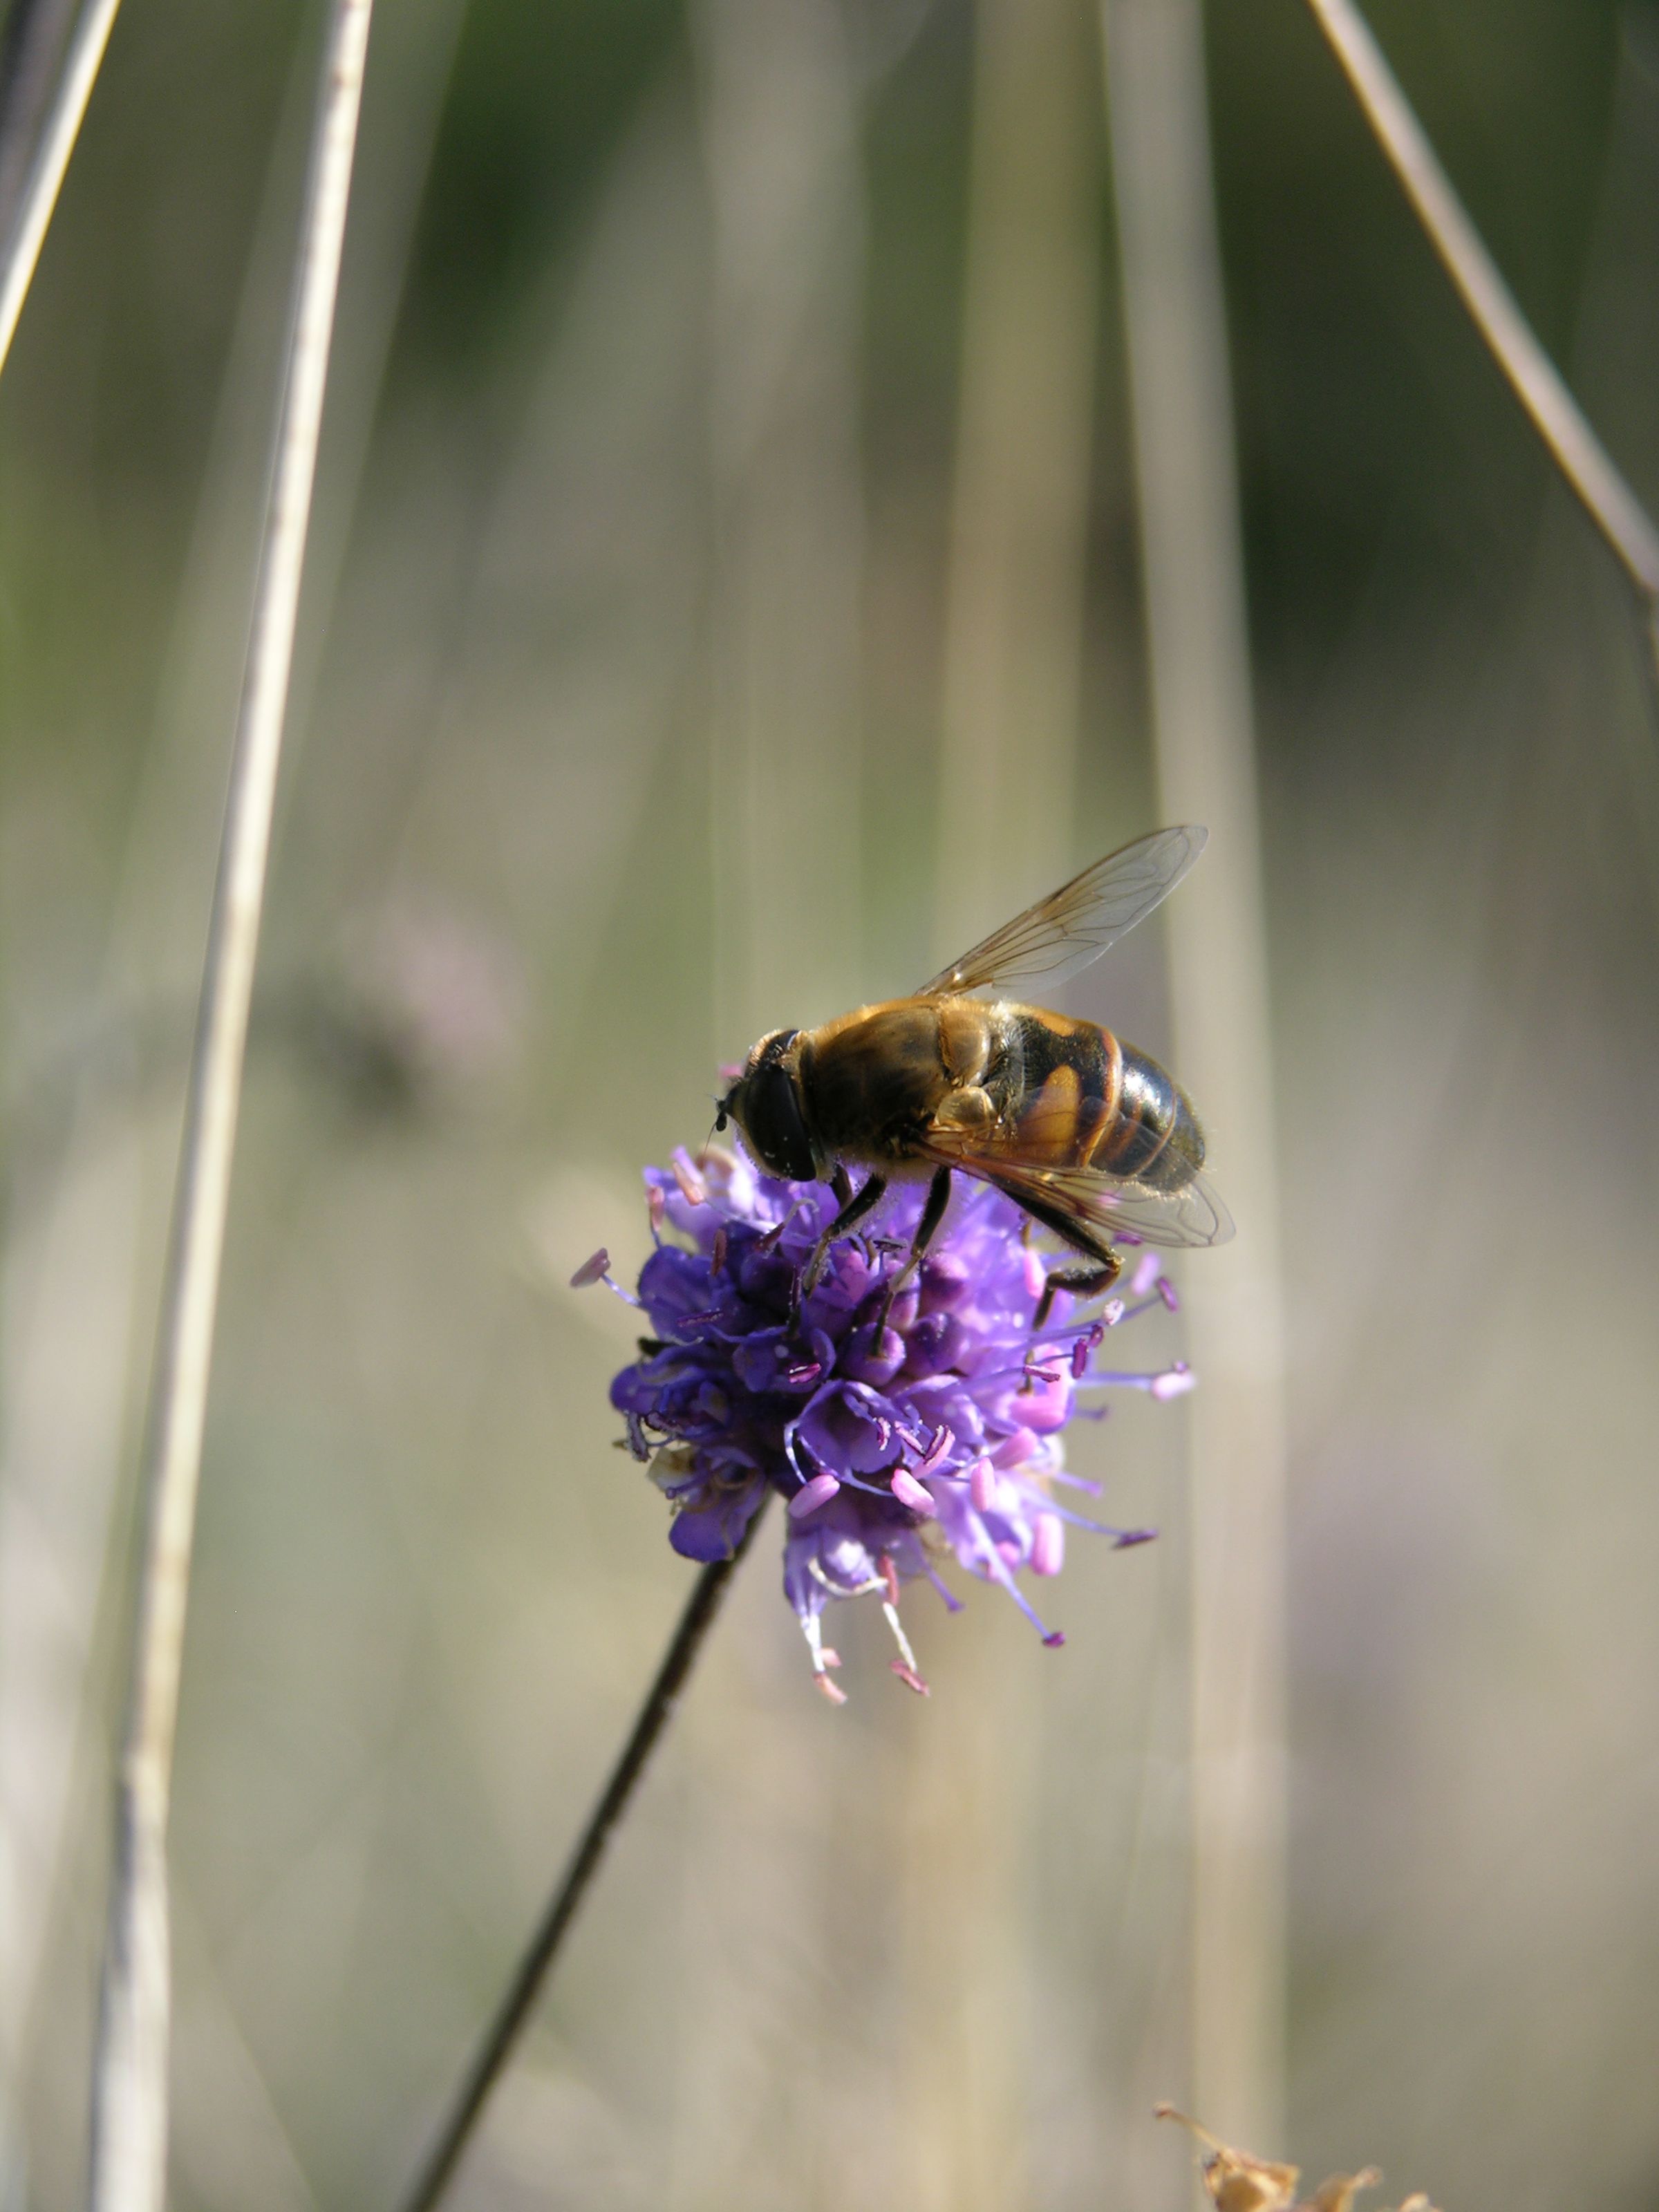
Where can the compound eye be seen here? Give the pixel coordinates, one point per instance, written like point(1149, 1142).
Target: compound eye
point(772, 1117)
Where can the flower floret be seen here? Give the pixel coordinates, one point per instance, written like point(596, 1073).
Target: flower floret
point(904, 1431)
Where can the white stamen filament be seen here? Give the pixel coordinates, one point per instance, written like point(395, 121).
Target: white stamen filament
point(899, 1636)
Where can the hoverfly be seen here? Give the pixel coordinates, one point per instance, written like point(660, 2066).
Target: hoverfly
point(1088, 1134)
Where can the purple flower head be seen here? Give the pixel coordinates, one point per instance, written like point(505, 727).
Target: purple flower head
point(896, 1448)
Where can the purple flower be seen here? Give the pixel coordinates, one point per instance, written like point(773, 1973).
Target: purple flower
point(896, 1448)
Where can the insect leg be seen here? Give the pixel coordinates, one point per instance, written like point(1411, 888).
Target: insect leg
point(1084, 1282)
point(1101, 1265)
point(854, 1207)
point(938, 1197)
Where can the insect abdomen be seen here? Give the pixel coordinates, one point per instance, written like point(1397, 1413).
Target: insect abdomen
point(1090, 1100)
point(1154, 1137)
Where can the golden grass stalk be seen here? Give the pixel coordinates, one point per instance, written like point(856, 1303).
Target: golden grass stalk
point(787, 248)
point(1011, 680)
point(1550, 407)
point(129, 2064)
point(1014, 604)
point(1204, 751)
point(46, 177)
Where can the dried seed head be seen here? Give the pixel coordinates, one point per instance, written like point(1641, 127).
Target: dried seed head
point(1238, 2182)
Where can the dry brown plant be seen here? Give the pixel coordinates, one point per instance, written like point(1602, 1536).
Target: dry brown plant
point(1237, 2182)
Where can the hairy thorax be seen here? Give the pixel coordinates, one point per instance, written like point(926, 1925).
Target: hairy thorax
point(874, 1081)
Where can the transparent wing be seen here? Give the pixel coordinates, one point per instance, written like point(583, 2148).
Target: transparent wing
point(1193, 1216)
point(1076, 924)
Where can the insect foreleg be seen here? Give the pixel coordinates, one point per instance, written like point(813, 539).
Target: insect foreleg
point(938, 1197)
point(854, 1207)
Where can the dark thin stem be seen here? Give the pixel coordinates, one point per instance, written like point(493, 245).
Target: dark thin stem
point(536, 1963)
point(49, 158)
point(1550, 407)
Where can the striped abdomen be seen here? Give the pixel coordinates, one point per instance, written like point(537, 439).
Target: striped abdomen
point(1078, 1097)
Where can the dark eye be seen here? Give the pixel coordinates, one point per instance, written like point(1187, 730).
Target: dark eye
point(773, 1118)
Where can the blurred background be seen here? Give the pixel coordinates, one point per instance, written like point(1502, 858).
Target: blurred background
point(723, 601)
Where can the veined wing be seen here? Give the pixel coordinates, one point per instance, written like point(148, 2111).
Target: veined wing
point(1193, 1216)
point(1076, 924)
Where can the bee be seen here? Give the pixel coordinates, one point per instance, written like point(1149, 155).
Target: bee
point(1085, 1132)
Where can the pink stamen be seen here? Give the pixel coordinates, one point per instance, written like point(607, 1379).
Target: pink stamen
point(1047, 1545)
point(948, 1597)
point(981, 1485)
point(890, 1578)
point(1146, 1274)
point(1166, 1290)
point(810, 1495)
point(936, 1451)
point(717, 1257)
point(908, 1491)
point(909, 1677)
point(1175, 1382)
point(1056, 1639)
point(833, 1691)
point(768, 1242)
point(656, 1205)
point(1036, 1274)
point(1078, 1482)
point(1016, 1448)
point(591, 1271)
point(693, 1189)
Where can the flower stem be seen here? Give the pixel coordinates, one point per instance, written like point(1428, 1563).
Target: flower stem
point(534, 1968)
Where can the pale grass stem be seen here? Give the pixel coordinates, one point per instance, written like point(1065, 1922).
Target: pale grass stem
point(1536, 382)
point(1011, 684)
point(130, 2063)
point(45, 180)
point(1204, 746)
